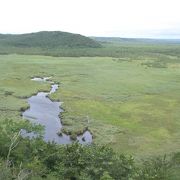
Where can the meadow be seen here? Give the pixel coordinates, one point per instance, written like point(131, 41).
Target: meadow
point(129, 101)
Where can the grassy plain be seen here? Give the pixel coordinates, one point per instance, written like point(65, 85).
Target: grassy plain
point(130, 103)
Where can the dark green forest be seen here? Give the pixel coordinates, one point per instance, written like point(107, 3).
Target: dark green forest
point(47, 40)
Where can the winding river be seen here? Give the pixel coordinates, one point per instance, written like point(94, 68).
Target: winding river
point(45, 112)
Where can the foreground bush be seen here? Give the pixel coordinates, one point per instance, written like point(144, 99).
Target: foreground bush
point(22, 158)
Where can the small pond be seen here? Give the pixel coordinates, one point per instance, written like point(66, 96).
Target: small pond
point(45, 112)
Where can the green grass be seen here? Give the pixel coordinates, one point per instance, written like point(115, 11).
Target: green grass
point(131, 106)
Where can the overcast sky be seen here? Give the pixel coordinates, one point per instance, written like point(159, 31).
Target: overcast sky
point(123, 18)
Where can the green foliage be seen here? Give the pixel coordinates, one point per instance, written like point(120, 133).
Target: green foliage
point(34, 159)
point(106, 176)
point(5, 172)
point(11, 127)
point(75, 161)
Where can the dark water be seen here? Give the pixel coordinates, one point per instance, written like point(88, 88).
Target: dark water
point(46, 112)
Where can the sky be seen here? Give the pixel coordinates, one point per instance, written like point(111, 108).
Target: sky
point(113, 18)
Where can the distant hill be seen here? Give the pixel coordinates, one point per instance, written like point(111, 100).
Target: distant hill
point(47, 39)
